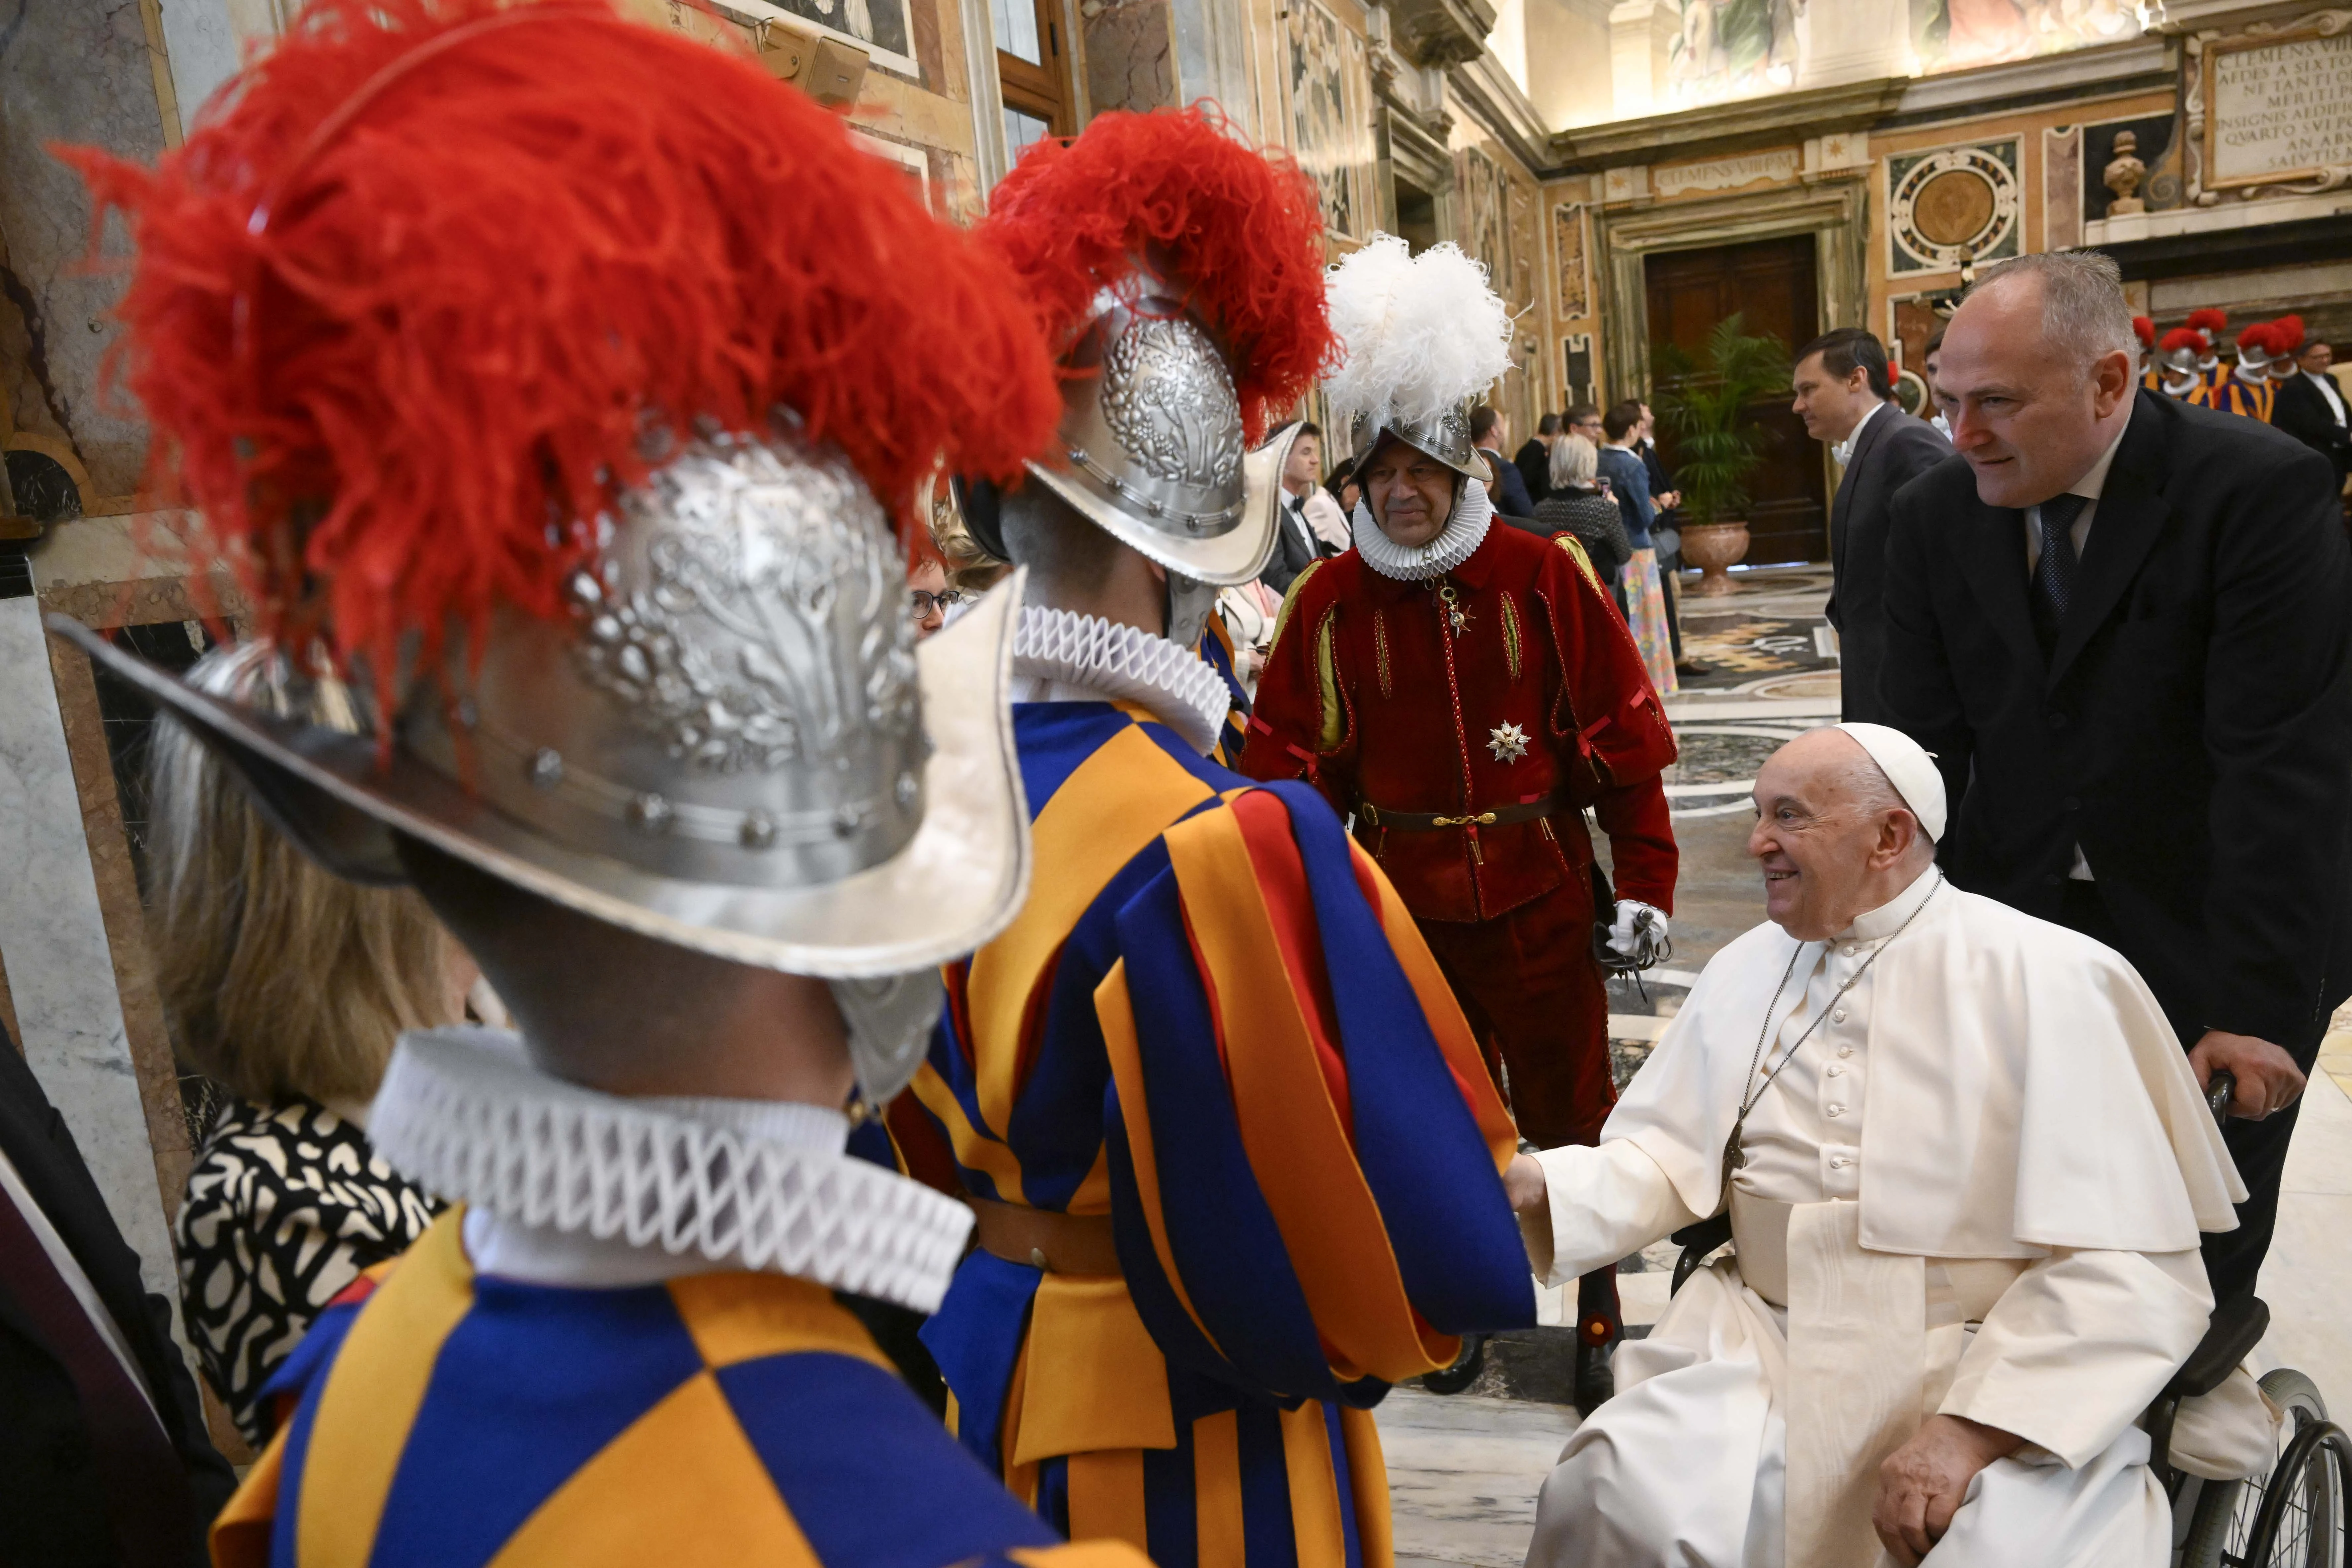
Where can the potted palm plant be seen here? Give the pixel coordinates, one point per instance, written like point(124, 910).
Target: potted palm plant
point(1703, 402)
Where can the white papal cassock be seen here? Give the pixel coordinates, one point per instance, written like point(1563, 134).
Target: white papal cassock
point(1975, 1189)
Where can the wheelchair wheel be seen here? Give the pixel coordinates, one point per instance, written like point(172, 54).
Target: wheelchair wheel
point(2306, 1527)
point(1464, 1370)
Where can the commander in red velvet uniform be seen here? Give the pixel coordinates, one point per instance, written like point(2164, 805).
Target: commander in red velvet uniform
point(1465, 690)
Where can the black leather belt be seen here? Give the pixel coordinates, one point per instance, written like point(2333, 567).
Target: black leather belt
point(1429, 821)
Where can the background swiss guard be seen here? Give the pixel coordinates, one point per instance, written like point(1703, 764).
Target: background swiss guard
point(496, 348)
point(1466, 691)
point(1235, 1162)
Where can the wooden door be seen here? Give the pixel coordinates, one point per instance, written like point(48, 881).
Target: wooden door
point(1771, 283)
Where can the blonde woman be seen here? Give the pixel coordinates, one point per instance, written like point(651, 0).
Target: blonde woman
point(286, 986)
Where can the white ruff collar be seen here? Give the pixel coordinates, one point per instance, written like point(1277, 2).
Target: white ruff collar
point(1455, 543)
point(1103, 660)
point(583, 1188)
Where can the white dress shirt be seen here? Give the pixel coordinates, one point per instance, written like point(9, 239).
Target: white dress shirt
point(2093, 482)
point(1843, 450)
point(2327, 384)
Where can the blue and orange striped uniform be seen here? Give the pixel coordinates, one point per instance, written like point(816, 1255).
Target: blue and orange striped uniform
point(455, 1420)
point(1213, 1032)
point(2234, 394)
point(1216, 650)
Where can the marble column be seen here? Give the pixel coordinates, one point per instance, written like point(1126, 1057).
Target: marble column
point(61, 967)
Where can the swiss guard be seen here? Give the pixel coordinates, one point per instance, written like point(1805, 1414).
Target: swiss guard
point(1235, 1160)
point(2150, 371)
point(2248, 388)
point(1466, 692)
point(2180, 367)
point(497, 349)
point(2210, 324)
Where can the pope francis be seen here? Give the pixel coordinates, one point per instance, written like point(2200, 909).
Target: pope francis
point(1967, 1165)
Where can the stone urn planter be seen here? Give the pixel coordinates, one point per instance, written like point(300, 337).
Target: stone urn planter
point(1712, 547)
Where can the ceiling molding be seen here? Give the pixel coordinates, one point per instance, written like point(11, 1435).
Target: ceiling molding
point(1778, 120)
point(1440, 33)
point(1486, 92)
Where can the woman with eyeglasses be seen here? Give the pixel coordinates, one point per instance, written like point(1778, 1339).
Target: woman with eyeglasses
point(931, 596)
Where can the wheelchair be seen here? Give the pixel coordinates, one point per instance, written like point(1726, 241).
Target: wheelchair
point(2299, 1516)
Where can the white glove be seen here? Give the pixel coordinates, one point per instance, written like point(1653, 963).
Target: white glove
point(1638, 934)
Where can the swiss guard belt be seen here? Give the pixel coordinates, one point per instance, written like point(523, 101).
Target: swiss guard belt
point(1045, 1238)
point(1428, 821)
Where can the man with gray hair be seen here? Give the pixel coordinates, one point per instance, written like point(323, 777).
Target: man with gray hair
point(1965, 1169)
point(2119, 626)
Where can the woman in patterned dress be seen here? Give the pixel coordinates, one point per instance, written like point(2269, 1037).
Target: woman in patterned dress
point(286, 987)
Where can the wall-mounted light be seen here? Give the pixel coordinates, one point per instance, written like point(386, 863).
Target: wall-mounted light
point(827, 70)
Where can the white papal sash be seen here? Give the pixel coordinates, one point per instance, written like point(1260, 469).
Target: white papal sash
point(1857, 1345)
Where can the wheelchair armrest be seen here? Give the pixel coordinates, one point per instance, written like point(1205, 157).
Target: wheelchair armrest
point(2235, 1328)
point(1696, 1241)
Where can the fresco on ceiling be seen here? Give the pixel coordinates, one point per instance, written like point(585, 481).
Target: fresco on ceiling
point(1743, 48)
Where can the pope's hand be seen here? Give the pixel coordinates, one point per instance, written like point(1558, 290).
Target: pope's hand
point(2268, 1079)
point(1922, 1483)
point(1523, 1182)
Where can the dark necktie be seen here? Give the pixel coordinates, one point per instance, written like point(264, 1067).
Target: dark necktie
point(2054, 575)
point(146, 1487)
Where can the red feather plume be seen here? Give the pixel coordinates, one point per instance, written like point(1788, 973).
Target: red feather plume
point(2286, 334)
point(2207, 319)
point(2145, 328)
point(2258, 336)
point(2184, 338)
point(1240, 231)
point(435, 280)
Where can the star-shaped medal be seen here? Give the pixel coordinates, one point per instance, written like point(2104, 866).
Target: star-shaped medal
point(1508, 742)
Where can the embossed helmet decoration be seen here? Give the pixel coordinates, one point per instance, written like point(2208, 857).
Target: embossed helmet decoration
point(1424, 336)
point(594, 496)
point(1178, 272)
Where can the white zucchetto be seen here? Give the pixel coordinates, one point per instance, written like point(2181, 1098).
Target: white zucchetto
point(1909, 767)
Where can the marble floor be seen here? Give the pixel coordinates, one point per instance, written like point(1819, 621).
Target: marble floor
point(1464, 1471)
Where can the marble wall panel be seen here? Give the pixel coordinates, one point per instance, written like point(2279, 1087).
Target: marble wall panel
point(53, 932)
point(1129, 47)
point(78, 74)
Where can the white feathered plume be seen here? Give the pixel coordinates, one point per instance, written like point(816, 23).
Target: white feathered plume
point(1422, 333)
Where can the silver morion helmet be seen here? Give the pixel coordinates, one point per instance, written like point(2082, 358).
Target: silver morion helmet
point(1152, 447)
point(1446, 439)
point(732, 744)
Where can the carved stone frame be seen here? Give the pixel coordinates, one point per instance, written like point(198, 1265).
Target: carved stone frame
point(2197, 69)
point(1836, 212)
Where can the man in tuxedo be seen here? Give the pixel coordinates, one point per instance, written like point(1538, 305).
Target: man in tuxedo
point(1297, 542)
point(103, 1455)
point(2310, 407)
point(1534, 460)
point(2118, 624)
point(1488, 432)
point(1846, 398)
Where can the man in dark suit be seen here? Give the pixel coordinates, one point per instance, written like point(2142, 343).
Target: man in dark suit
point(1534, 460)
point(1846, 399)
point(1297, 545)
point(2118, 622)
point(1508, 492)
point(103, 1455)
point(2310, 407)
